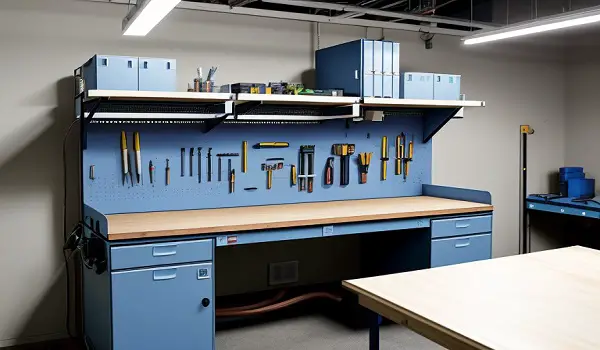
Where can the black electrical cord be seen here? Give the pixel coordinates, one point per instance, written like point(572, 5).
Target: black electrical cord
point(65, 237)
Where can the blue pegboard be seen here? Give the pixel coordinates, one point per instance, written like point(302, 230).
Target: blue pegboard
point(107, 194)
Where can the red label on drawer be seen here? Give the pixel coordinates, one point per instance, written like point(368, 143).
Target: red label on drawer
point(231, 239)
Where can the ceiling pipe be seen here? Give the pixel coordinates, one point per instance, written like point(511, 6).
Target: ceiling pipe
point(432, 11)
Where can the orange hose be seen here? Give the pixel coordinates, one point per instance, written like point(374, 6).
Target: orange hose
point(277, 297)
point(280, 305)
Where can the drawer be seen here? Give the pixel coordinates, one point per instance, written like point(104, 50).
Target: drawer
point(155, 254)
point(461, 226)
point(457, 250)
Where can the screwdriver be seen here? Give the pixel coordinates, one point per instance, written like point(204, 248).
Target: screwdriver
point(400, 140)
point(124, 156)
point(409, 159)
point(138, 156)
point(168, 171)
point(151, 169)
point(365, 161)
point(384, 157)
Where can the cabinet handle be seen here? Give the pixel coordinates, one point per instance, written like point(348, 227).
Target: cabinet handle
point(164, 250)
point(163, 275)
point(462, 245)
point(205, 302)
point(465, 224)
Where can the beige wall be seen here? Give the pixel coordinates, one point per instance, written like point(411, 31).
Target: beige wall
point(43, 41)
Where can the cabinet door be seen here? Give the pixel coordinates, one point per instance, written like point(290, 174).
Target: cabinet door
point(163, 308)
point(458, 250)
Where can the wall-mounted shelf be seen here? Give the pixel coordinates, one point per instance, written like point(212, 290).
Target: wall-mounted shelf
point(564, 206)
point(213, 108)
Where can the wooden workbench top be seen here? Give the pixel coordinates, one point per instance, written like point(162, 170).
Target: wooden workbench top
point(548, 300)
point(207, 221)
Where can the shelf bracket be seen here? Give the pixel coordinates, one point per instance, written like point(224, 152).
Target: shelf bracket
point(228, 110)
point(245, 107)
point(87, 120)
point(434, 119)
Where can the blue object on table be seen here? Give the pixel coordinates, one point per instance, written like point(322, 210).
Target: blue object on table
point(570, 169)
point(365, 68)
point(104, 72)
point(446, 87)
point(581, 188)
point(415, 85)
point(157, 74)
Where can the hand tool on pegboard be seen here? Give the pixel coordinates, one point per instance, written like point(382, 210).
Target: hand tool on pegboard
point(344, 151)
point(182, 162)
point(151, 170)
point(92, 172)
point(307, 167)
point(138, 156)
point(409, 157)
point(199, 164)
point(272, 145)
point(209, 160)
point(220, 165)
point(364, 160)
point(191, 161)
point(168, 173)
point(400, 140)
point(129, 161)
point(269, 168)
point(329, 171)
point(124, 156)
point(293, 175)
point(244, 156)
point(384, 157)
point(231, 179)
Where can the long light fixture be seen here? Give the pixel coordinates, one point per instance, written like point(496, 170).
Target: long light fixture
point(571, 19)
point(146, 15)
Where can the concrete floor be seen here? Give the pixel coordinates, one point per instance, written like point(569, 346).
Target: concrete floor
point(316, 332)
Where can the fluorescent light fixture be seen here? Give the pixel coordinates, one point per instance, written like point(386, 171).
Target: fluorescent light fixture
point(567, 20)
point(146, 15)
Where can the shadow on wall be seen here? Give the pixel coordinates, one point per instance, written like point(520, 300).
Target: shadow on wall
point(37, 169)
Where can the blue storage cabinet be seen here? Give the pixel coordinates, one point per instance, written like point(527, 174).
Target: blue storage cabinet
point(162, 308)
point(104, 72)
point(416, 85)
point(461, 240)
point(365, 68)
point(446, 87)
point(157, 74)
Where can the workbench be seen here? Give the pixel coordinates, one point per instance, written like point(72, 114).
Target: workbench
point(546, 300)
point(150, 246)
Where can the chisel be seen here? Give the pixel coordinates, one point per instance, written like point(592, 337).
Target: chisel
point(384, 157)
point(138, 156)
point(182, 162)
point(199, 164)
point(192, 161)
point(209, 158)
point(399, 153)
point(168, 173)
point(124, 156)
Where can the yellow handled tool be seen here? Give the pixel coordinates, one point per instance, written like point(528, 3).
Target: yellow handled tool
point(400, 141)
point(269, 178)
point(272, 145)
point(293, 175)
point(244, 156)
point(408, 159)
point(124, 156)
point(364, 160)
point(384, 157)
point(138, 155)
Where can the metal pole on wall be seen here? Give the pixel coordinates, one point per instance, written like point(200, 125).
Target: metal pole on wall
point(524, 236)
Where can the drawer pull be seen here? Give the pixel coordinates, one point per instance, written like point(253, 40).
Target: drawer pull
point(164, 250)
point(164, 275)
point(462, 245)
point(464, 225)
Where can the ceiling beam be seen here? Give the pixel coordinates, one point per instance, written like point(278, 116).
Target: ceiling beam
point(390, 14)
point(201, 6)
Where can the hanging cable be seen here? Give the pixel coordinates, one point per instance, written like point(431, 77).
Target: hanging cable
point(281, 305)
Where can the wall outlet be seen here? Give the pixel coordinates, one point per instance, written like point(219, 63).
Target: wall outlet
point(283, 273)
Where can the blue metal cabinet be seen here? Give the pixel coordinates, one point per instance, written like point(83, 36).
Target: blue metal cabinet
point(461, 226)
point(457, 250)
point(144, 255)
point(416, 85)
point(104, 72)
point(363, 68)
point(157, 74)
point(446, 87)
point(163, 308)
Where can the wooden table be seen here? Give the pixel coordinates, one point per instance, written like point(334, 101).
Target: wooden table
point(211, 221)
point(548, 301)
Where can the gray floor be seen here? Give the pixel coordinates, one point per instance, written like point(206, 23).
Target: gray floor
point(316, 332)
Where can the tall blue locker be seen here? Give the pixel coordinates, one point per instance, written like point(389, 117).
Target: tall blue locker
point(365, 68)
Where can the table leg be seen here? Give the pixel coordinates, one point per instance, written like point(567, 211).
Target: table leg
point(374, 322)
